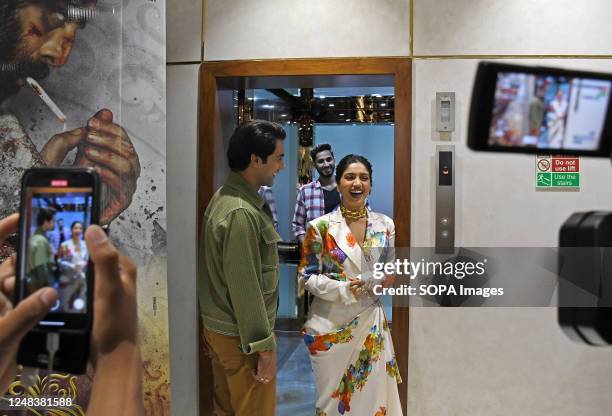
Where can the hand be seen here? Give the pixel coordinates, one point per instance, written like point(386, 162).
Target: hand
point(16, 322)
point(389, 280)
point(108, 149)
point(115, 309)
point(266, 367)
point(356, 286)
point(114, 337)
point(55, 150)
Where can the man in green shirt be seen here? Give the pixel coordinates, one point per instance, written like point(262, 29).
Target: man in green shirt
point(40, 255)
point(238, 274)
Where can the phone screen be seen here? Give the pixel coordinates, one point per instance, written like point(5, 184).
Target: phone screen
point(549, 112)
point(57, 206)
point(56, 254)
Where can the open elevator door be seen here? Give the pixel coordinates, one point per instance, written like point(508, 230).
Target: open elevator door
point(220, 113)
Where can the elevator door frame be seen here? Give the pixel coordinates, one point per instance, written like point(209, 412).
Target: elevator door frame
point(212, 166)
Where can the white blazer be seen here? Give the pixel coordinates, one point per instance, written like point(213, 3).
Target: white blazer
point(331, 258)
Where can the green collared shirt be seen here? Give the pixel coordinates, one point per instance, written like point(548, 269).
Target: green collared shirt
point(238, 270)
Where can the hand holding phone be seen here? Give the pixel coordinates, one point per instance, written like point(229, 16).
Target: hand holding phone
point(16, 322)
point(115, 347)
point(57, 205)
point(114, 338)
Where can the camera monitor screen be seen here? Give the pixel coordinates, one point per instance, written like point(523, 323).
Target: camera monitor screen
point(540, 110)
point(56, 253)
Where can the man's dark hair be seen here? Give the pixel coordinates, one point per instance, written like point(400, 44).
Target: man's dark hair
point(347, 160)
point(256, 137)
point(320, 148)
point(44, 215)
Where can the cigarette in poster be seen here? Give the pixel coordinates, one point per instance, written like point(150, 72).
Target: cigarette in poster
point(46, 99)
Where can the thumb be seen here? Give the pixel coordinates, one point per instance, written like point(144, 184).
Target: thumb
point(104, 114)
point(27, 313)
point(105, 257)
point(72, 138)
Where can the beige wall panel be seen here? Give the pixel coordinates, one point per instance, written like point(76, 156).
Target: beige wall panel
point(561, 27)
point(181, 147)
point(501, 361)
point(184, 30)
point(266, 29)
point(496, 201)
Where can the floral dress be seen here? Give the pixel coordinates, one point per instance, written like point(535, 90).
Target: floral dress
point(349, 340)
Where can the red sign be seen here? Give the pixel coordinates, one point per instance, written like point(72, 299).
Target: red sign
point(59, 182)
point(566, 164)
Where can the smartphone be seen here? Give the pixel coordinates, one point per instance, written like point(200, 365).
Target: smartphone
point(57, 206)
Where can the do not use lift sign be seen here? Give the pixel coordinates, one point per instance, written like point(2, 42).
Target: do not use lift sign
point(557, 172)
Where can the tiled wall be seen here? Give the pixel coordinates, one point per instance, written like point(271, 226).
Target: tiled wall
point(502, 361)
point(497, 204)
point(184, 31)
point(462, 361)
point(517, 27)
point(181, 148)
point(268, 29)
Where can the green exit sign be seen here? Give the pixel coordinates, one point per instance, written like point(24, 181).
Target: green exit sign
point(566, 179)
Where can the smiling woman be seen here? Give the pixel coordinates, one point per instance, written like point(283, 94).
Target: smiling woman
point(347, 333)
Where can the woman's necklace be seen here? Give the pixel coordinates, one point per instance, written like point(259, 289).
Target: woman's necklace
point(353, 215)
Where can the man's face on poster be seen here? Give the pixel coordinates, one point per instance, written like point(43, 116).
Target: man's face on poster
point(45, 34)
point(45, 37)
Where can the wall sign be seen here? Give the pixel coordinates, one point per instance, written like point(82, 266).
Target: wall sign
point(557, 172)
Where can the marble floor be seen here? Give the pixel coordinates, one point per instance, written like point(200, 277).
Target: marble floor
point(295, 386)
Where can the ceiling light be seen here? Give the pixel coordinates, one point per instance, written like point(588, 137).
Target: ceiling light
point(341, 114)
point(383, 104)
point(332, 105)
point(348, 119)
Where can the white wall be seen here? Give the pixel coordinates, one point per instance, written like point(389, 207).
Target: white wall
point(517, 27)
point(182, 240)
point(502, 361)
point(497, 204)
point(184, 30)
point(184, 45)
point(266, 29)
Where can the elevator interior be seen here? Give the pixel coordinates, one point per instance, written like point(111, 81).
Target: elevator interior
point(358, 105)
point(355, 120)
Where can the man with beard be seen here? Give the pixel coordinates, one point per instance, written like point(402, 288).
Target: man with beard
point(318, 197)
point(35, 37)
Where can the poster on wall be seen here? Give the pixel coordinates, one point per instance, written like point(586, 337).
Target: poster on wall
point(82, 83)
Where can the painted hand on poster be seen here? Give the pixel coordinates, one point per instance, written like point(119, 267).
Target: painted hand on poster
point(37, 37)
point(107, 147)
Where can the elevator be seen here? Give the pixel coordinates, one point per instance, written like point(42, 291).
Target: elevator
point(359, 106)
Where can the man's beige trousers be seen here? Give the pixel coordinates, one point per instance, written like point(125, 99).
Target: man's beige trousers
point(237, 393)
